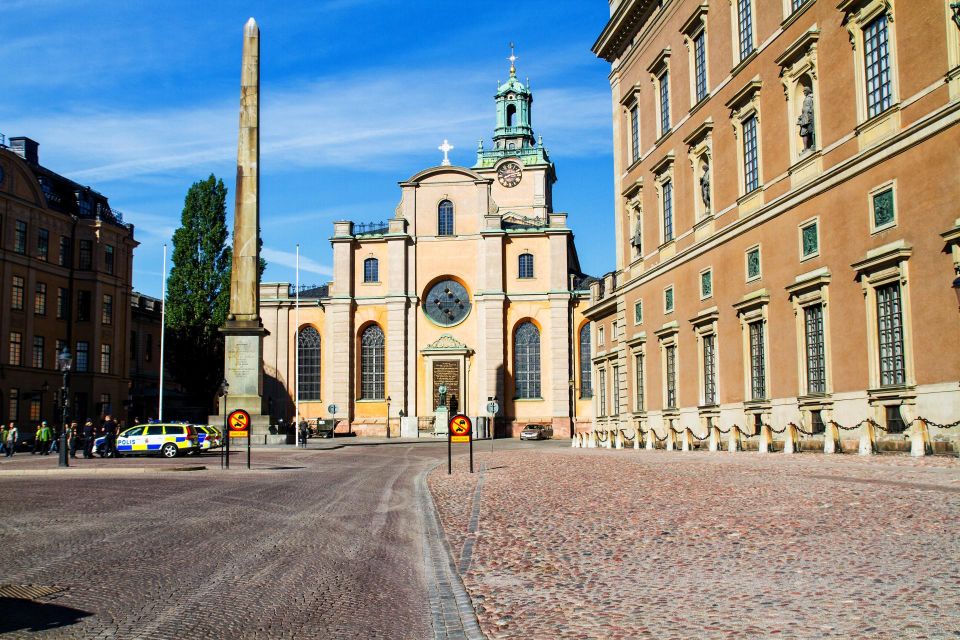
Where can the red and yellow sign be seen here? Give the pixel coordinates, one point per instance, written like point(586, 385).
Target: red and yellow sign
point(238, 423)
point(460, 428)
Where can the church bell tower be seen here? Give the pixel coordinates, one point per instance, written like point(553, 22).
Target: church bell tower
point(514, 104)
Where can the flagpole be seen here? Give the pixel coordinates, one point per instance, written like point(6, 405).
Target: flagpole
point(163, 329)
point(296, 358)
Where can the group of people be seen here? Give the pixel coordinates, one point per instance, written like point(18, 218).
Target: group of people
point(46, 438)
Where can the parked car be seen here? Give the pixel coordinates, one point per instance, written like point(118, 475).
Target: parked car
point(168, 440)
point(208, 437)
point(536, 432)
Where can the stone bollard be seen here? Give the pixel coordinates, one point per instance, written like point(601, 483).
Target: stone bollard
point(618, 443)
point(686, 440)
point(791, 439)
point(610, 440)
point(573, 440)
point(920, 439)
point(831, 439)
point(671, 443)
point(591, 440)
point(650, 441)
point(636, 438)
point(733, 439)
point(868, 440)
point(714, 438)
point(765, 442)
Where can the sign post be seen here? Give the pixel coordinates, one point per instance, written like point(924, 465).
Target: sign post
point(460, 429)
point(238, 426)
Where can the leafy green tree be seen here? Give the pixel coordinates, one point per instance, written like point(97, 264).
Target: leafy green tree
point(198, 291)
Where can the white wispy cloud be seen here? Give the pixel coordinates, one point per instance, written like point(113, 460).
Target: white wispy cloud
point(289, 259)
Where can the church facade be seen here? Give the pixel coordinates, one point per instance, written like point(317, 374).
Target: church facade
point(473, 287)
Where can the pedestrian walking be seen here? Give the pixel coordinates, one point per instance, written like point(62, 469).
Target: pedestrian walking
point(42, 439)
point(109, 437)
point(303, 433)
point(89, 435)
point(54, 440)
point(10, 439)
point(73, 438)
point(3, 438)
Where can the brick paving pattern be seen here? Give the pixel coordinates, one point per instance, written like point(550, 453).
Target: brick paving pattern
point(636, 544)
point(313, 544)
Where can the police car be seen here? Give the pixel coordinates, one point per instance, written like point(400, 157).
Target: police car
point(168, 440)
point(208, 437)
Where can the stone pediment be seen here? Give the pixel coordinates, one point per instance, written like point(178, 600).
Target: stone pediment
point(446, 342)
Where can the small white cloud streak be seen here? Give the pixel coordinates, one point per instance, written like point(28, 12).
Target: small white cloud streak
point(289, 259)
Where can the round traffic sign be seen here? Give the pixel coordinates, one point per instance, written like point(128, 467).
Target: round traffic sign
point(493, 407)
point(238, 420)
point(460, 425)
point(332, 409)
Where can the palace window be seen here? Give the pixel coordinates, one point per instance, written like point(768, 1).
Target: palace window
point(308, 365)
point(86, 255)
point(106, 311)
point(372, 363)
point(371, 270)
point(616, 390)
point(638, 381)
point(82, 362)
point(664, 87)
point(63, 303)
point(16, 348)
point(13, 406)
point(445, 218)
point(20, 237)
point(83, 306)
point(745, 27)
point(671, 358)
point(105, 358)
point(890, 334)
point(43, 244)
point(64, 257)
point(635, 133)
point(758, 370)
point(40, 299)
point(526, 361)
point(751, 171)
point(38, 345)
point(586, 383)
point(16, 293)
point(108, 255)
point(710, 369)
point(602, 375)
point(700, 64)
point(668, 211)
point(876, 62)
point(816, 353)
point(525, 265)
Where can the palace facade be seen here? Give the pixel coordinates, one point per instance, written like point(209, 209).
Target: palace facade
point(474, 283)
point(787, 214)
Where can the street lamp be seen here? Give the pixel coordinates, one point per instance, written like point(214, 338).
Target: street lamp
point(65, 363)
point(388, 417)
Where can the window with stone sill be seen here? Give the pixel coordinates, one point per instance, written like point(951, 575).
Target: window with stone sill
point(526, 354)
point(586, 382)
point(16, 349)
point(710, 369)
point(816, 363)
point(602, 378)
point(667, 211)
point(876, 63)
point(700, 65)
point(638, 381)
point(616, 390)
point(635, 133)
point(745, 27)
point(664, 88)
point(890, 335)
point(371, 270)
point(751, 165)
point(671, 378)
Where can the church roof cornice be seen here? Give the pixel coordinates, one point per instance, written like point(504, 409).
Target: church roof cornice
point(417, 178)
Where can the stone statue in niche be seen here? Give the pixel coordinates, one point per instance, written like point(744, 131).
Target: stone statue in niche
point(637, 240)
point(705, 187)
point(805, 121)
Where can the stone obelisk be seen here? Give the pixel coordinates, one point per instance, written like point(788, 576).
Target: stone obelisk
point(243, 331)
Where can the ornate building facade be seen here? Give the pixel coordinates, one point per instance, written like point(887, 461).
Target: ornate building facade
point(786, 219)
point(474, 284)
point(66, 268)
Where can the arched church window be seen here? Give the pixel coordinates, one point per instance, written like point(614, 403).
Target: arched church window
point(308, 364)
point(511, 112)
point(586, 377)
point(445, 218)
point(371, 363)
point(526, 361)
point(371, 270)
point(526, 265)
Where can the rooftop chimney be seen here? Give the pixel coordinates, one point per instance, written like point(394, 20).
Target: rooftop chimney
point(26, 148)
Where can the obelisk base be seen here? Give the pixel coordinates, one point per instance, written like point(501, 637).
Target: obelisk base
point(243, 370)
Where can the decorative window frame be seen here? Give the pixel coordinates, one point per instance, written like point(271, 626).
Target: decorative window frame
point(631, 99)
point(663, 173)
point(789, 13)
point(882, 266)
point(797, 62)
point(533, 271)
point(704, 325)
point(857, 15)
point(709, 294)
point(890, 185)
point(700, 152)
point(638, 347)
point(746, 263)
point(376, 263)
point(633, 207)
point(744, 104)
point(754, 307)
point(600, 336)
point(815, 220)
point(735, 33)
point(693, 27)
point(657, 68)
point(807, 290)
point(673, 299)
point(667, 336)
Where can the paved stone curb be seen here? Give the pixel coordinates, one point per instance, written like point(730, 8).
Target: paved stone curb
point(99, 471)
point(451, 609)
point(466, 554)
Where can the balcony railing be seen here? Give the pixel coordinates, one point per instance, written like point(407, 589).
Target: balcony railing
point(370, 228)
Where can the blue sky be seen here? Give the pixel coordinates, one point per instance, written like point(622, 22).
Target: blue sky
point(140, 99)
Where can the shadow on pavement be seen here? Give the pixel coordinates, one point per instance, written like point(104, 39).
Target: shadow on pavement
point(17, 614)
